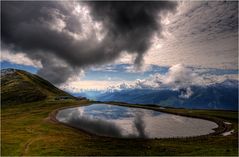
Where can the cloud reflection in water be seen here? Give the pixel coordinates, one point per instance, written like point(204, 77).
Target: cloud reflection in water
point(124, 122)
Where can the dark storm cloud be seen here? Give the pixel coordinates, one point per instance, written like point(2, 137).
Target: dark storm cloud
point(54, 73)
point(130, 24)
point(45, 31)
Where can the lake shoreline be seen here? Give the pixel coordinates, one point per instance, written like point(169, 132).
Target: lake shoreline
point(222, 127)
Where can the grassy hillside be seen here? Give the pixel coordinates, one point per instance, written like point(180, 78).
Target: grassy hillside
point(27, 130)
point(19, 86)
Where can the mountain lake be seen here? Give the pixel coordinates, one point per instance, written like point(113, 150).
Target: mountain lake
point(127, 122)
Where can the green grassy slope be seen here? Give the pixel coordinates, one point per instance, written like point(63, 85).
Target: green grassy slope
point(26, 130)
point(20, 86)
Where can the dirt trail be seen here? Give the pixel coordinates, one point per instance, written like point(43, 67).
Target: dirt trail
point(27, 145)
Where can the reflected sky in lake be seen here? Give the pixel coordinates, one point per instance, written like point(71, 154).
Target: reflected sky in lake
point(125, 122)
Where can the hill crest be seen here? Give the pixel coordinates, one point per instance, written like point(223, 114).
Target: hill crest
point(18, 86)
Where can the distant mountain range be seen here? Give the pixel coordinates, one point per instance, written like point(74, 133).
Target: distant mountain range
point(222, 95)
point(18, 86)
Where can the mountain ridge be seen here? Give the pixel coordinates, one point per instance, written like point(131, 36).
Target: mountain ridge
point(222, 95)
point(19, 86)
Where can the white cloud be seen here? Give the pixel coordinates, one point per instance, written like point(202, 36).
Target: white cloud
point(125, 58)
point(186, 93)
point(89, 26)
point(143, 68)
point(19, 58)
point(179, 77)
point(176, 78)
point(77, 86)
point(201, 34)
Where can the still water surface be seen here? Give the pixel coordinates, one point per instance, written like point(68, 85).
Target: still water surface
point(126, 122)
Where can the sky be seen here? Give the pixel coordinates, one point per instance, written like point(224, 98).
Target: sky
point(115, 45)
